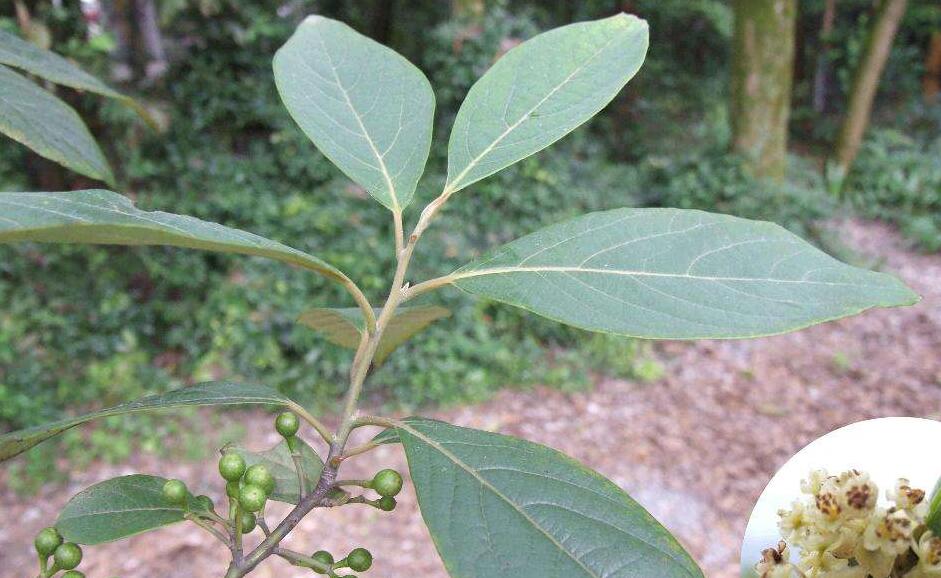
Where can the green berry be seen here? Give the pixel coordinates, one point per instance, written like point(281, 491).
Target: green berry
point(231, 466)
point(205, 503)
point(359, 560)
point(232, 490)
point(252, 498)
point(258, 475)
point(174, 491)
point(287, 424)
point(46, 542)
point(73, 574)
point(67, 556)
point(386, 503)
point(247, 522)
point(324, 557)
point(387, 483)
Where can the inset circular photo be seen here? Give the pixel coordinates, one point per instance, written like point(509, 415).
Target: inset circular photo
point(854, 503)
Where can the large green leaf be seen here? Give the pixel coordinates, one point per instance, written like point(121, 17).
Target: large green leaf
point(118, 508)
point(106, 218)
point(20, 53)
point(501, 506)
point(280, 463)
point(214, 393)
point(676, 274)
point(344, 327)
point(540, 91)
point(48, 126)
point(368, 109)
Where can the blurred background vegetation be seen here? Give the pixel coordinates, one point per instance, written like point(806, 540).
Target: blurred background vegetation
point(86, 327)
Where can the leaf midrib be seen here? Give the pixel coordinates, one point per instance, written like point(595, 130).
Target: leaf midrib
point(457, 276)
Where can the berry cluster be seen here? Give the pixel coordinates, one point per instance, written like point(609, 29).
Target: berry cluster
point(65, 555)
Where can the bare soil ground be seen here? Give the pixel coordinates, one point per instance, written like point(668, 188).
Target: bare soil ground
point(696, 448)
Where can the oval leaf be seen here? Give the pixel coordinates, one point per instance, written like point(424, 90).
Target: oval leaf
point(368, 109)
point(105, 218)
point(344, 326)
point(215, 393)
point(540, 91)
point(280, 463)
point(48, 126)
point(118, 508)
point(501, 506)
point(676, 274)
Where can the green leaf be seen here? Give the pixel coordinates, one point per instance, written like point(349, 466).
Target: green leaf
point(933, 519)
point(540, 91)
point(105, 218)
point(501, 506)
point(118, 508)
point(279, 462)
point(214, 393)
point(676, 274)
point(22, 54)
point(344, 327)
point(368, 109)
point(391, 435)
point(48, 126)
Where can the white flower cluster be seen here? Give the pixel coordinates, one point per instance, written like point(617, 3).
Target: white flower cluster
point(841, 532)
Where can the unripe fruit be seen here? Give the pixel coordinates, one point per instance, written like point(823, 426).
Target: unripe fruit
point(73, 574)
point(231, 467)
point(232, 490)
point(387, 503)
point(46, 542)
point(247, 522)
point(205, 503)
point(387, 483)
point(252, 498)
point(324, 557)
point(258, 475)
point(174, 491)
point(359, 560)
point(287, 424)
point(67, 556)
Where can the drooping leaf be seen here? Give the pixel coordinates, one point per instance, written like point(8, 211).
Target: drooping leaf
point(214, 393)
point(19, 53)
point(118, 508)
point(105, 218)
point(391, 435)
point(343, 327)
point(540, 91)
point(280, 463)
point(676, 274)
point(368, 109)
point(37, 119)
point(501, 506)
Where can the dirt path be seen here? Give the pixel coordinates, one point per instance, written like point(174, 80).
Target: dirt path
point(695, 448)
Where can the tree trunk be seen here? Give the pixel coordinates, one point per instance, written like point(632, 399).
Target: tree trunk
point(865, 84)
point(762, 74)
point(822, 74)
point(932, 84)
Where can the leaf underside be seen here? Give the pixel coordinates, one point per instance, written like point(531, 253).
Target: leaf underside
point(676, 274)
point(214, 393)
point(106, 218)
point(279, 462)
point(118, 508)
point(42, 122)
point(367, 108)
point(344, 326)
point(540, 91)
point(501, 506)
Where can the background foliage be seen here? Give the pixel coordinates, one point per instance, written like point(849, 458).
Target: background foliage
point(86, 327)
